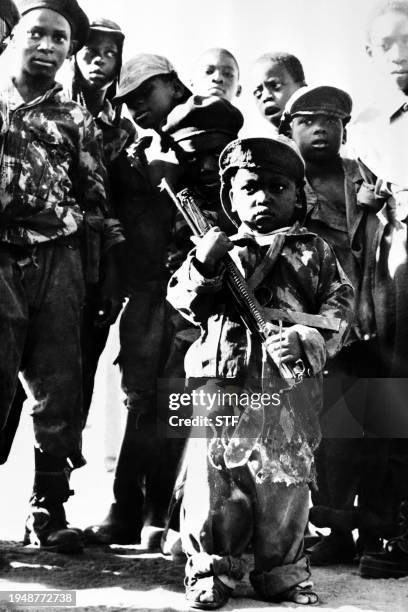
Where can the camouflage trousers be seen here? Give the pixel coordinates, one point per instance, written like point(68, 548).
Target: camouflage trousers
point(225, 510)
point(41, 298)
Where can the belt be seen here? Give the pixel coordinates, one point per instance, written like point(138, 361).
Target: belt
point(26, 250)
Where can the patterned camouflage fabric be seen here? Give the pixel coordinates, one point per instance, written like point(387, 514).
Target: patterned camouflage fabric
point(306, 278)
point(52, 169)
point(229, 498)
point(117, 136)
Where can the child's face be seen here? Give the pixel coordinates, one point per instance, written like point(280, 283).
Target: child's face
point(388, 47)
point(216, 74)
point(43, 39)
point(264, 199)
point(150, 103)
point(272, 86)
point(202, 154)
point(98, 61)
point(318, 137)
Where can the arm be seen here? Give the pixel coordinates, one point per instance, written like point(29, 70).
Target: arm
point(334, 298)
point(103, 231)
point(192, 288)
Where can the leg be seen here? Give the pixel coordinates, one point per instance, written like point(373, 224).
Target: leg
point(52, 360)
point(52, 368)
point(93, 343)
point(142, 332)
point(13, 420)
point(216, 522)
point(13, 329)
point(281, 514)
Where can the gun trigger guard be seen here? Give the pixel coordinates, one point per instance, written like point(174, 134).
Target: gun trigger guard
point(299, 370)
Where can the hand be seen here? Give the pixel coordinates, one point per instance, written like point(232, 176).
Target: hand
point(211, 248)
point(285, 347)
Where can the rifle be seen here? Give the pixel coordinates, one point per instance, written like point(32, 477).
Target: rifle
point(250, 312)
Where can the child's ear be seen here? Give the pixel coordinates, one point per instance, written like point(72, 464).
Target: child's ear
point(299, 198)
point(231, 198)
point(344, 139)
point(178, 89)
point(239, 91)
point(71, 49)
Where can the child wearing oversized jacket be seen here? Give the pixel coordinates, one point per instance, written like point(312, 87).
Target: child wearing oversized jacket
point(241, 489)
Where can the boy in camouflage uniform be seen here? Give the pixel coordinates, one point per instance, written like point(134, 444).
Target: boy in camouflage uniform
point(229, 502)
point(51, 175)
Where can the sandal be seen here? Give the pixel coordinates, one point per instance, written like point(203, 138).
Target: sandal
point(208, 593)
point(301, 592)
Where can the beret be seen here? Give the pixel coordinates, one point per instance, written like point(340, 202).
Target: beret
point(311, 100)
point(201, 115)
point(276, 154)
point(9, 13)
point(139, 69)
point(69, 9)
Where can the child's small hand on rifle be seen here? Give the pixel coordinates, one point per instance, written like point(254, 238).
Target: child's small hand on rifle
point(211, 248)
point(285, 346)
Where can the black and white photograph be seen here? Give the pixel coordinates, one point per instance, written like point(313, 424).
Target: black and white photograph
point(203, 305)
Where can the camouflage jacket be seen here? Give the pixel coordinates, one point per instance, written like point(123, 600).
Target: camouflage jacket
point(117, 135)
point(51, 169)
point(304, 276)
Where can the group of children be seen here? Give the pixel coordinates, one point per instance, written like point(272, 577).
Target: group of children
point(318, 240)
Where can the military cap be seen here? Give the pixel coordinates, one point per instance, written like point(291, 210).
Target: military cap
point(69, 9)
point(100, 24)
point(310, 100)
point(201, 115)
point(138, 69)
point(276, 154)
point(9, 13)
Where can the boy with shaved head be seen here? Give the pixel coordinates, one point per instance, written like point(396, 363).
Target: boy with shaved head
point(274, 78)
point(216, 73)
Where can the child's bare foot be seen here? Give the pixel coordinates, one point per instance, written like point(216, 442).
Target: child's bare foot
point(301, 594)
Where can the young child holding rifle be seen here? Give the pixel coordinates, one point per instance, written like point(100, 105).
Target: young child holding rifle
point(245, 485)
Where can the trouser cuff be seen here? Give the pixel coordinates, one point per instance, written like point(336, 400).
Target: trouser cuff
point(269, 585)
point(203, 564)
